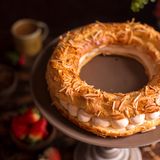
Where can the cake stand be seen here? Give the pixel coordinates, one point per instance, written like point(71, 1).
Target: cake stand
point(90, 147)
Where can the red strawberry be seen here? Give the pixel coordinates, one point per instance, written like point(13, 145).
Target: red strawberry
point(20, 119)
point(38, 131)
point(21, 60)
point(31, 116)
point(52, 154)
point(19, 129)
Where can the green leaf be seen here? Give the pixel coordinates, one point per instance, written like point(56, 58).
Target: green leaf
point(137, 5)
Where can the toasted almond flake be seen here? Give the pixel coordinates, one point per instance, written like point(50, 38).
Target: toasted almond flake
point(63, 89)
point(137, 40)
point(126, 112)
point(121, 105)
point(113, 106)
point(112, 35)
point(97, 34)
point(124, 99)
point(145, 90)
point(158, 100)
point(99, 113)
point(151, 108)
point(135, 102)
point(137, 98)
point(91, 95)
point(153, 88)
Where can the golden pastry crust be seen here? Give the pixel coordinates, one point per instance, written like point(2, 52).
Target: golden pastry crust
point(114, 112)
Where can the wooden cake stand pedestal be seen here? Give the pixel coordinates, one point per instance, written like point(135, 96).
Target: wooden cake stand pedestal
point(95, 147)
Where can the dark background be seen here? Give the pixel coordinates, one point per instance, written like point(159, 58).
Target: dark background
point(62, 15)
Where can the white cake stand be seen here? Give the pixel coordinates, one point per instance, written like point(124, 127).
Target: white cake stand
point(91, 147)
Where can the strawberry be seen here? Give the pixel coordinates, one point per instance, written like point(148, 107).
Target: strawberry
point(21, 60)
point(19, 129)
point(52, 154)
point(38, 130)
point(31, 116)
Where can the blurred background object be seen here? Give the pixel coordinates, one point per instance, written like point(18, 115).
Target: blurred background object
point(137, 5)
point(28, 36)
point(64, 15)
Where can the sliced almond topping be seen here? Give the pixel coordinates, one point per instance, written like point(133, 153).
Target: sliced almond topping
point(158, 100)
point(151, 108)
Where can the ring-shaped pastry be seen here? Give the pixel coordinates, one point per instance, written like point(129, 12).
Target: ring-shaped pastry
point(106, 114)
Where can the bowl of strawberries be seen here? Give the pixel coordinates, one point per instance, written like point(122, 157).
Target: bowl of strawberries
point(31, 131)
